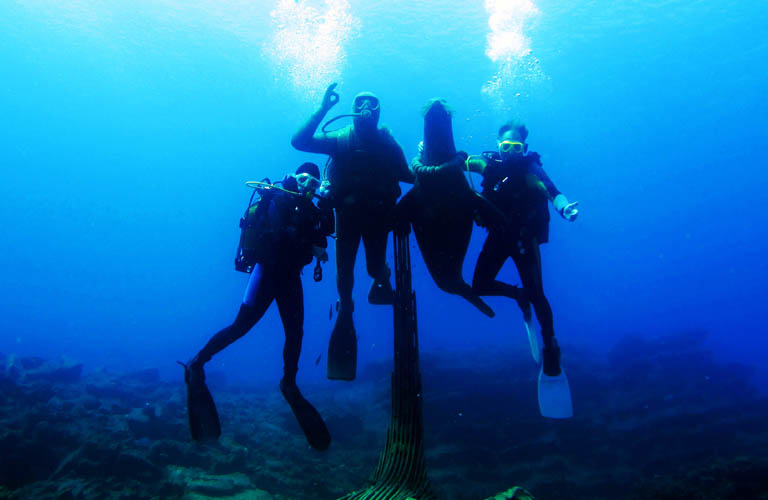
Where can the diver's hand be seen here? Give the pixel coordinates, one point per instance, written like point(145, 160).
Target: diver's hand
point(567, 209)
point(320, 253)
point(570, 212)
point(330, 98)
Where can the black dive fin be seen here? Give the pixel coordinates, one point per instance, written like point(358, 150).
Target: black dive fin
point(342, 349)
point(308, 417)
point(203, 418)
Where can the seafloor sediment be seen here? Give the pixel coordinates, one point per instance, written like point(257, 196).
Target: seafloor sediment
point(655, 419)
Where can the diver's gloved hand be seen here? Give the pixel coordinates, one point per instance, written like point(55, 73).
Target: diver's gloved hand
point(330, 98)
point(565, 208)
point(320, 253)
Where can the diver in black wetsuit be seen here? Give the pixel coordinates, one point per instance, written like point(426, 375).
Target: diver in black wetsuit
point(366, 166)
point(515, 182)
point(298, 230)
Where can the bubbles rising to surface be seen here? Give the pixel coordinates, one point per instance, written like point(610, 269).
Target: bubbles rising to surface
point(308, 46)
point(507, 46)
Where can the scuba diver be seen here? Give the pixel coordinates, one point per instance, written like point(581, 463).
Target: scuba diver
point(442, 208)
point(280, 235)
point(515, 182)
point(366, 166)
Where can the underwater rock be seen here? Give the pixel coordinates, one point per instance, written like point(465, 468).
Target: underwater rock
point(112, 390)
point(13, 370)
point(31, 362)
point(516, 493)
point(131, 465)
point(90, 403)
point(234, 461)
point(245, 495)
point(143, 423)
point(145, 376)
point(203, 483)
point(166, 451)
point(64, 373)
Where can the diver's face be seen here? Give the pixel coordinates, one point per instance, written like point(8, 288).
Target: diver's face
point(511, 146)
point(307, 184)
point(367, 108)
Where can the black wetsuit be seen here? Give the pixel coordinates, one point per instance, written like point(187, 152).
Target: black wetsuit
point(277, 278)
point(521, 190)
point(364, 187)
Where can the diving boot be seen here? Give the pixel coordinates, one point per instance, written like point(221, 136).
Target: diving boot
point(551, 355)
point(342, 347)
point(381, 292)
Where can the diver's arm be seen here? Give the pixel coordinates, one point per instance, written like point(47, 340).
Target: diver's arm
point(305, 139)
point(477, 164)
point(565, 208)
point(457, 162)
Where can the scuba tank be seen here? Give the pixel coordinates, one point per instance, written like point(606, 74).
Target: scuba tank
point(274, 225)
point(255, 230)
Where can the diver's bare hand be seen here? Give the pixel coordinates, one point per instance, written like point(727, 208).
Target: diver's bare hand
point(331, 97)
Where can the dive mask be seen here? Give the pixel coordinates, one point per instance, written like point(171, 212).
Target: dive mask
point(363, 102)
point(515, 147)
point(307, 183)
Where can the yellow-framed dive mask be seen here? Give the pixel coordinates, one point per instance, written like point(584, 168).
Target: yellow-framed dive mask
point(512, 147)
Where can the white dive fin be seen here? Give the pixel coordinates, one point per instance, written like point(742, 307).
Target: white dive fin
point(533, 340)
point(555, 396)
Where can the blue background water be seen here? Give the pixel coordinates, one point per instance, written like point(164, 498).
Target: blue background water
point(128, 130)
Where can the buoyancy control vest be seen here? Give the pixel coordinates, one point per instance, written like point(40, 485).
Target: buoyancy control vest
point(364, 175)
point(278, 227)
point(516, 190)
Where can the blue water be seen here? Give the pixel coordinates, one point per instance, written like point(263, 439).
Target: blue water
point(128, 130)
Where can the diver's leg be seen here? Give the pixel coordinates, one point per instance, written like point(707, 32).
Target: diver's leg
point(528, 261)
point(290, 303)
point(348, 233)
point(342, 346)
point(489, 263)
point(203, 416)
point(375, 237)
point(258, 296)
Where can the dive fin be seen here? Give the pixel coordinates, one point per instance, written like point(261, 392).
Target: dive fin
point(342, 349)
point(533, 340)
point(555, 396)
point(308, 417)
point(203, 417)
